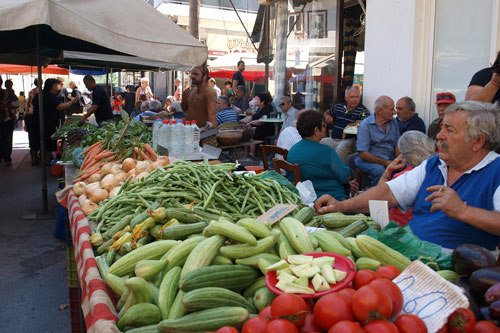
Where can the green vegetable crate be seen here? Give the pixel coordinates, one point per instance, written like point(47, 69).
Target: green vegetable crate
point(71, 267)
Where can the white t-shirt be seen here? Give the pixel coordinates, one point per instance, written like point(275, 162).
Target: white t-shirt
point(288, 137)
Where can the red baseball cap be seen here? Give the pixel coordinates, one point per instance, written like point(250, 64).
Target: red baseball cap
point(445, 97)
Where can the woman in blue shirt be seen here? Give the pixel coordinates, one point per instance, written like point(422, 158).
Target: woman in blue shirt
point(318, 163)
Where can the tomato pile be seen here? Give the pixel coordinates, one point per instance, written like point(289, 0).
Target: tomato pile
point(365, 308)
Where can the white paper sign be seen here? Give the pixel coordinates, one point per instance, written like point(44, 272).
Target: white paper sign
point(429, 296)
point(379, 212)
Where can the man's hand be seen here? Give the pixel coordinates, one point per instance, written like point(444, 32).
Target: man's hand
point(326, 204)
point(446, 199)
point(395, 165)
point(82, 120)
point(353, 187)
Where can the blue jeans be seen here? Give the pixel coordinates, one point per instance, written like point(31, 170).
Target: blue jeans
point(373, 170)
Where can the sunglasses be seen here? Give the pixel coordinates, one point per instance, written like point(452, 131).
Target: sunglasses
point(445, 96)
point(282, 104)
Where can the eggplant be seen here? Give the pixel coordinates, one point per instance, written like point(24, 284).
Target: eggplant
point(468, 258)
point(472, 296)
point(492, 294)
point(484, 278)
point(494, 310)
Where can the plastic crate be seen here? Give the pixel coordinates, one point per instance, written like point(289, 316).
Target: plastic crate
point(75, 310)
point(71, 268)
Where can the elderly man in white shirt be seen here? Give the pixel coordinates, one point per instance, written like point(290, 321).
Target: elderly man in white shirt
point(289, 112)
point(289, 136)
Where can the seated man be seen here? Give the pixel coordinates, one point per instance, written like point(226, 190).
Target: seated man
point(149, 109)
point(289, 136)
point(289, 112)
point(443, 100)
point(225, 113)
point(346, 114)
point(240, 99)
point(318, 163)
point(455, 195)
point(377, 139)
point(408, 119)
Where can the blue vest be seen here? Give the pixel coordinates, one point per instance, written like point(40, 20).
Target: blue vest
point(476, 189)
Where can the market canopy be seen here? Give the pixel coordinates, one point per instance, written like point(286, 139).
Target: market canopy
point(20, 69)
point(119, 27)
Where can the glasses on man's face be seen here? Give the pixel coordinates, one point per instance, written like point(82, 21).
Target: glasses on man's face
point(282, 104)
point(445, 96)
point(60, 82)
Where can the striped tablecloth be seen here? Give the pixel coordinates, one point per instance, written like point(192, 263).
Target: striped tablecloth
point(98, 301)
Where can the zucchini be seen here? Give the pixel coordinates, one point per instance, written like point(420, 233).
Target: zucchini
point(148, 269)
point(379, 251)
point(254, 260)
point(177, 310)
point(339, 220)
point(256, 227)
point(330, 244)
point(259, 283)
point(182, 231)
point(214, 297)
point(182, 215)
point(305, 214)
point(232, 277)
point(116, 284)
point(263, 297)
point(355, 228)
point(145, 329)
point(179, 253)
point(206, 320)
point(367, 263)
point(230, 230)
point(168, 290)
point(239, 251)
point(451, 276)
point(221, 260)
point(144, 215)
point(296, 234)
point(203, 254)
point(338, 236)
point(125, 221)
point(126, 264)
point(140, 315)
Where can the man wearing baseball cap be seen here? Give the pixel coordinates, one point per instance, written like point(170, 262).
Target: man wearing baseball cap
point(443, 100)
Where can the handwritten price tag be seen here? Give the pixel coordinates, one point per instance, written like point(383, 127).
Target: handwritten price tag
point(275, 214)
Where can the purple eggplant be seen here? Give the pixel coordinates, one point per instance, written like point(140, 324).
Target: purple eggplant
point(482, 279)
point(494, 310)
point(469, 257)
point(492, 294)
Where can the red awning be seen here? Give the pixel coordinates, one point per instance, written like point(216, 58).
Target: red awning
point(19, 69)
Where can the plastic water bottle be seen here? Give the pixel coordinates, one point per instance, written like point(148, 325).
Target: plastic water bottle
point(162, 133)
point(168, 137)
point(173, 138)
point(156, 126)
point(196, 136)
point(181, 137)
point(188, 141)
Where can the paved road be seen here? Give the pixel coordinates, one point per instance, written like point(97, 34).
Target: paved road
point(33, 279)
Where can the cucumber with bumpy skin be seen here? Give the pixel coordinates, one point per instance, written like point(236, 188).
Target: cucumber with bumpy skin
point(142, 314)
point(232, 277)
point(214, 297)
point(206, 320)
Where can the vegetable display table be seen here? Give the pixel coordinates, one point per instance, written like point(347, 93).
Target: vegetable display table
point(98, 302)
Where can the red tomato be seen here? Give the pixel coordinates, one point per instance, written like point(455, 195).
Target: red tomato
point(346, 326)
point(394, 293)
point(461, 321)
point(310, 325)
point(370, 303)
point(289, 306)
point(255, 325)
point(363, 277)
point(380, 326)
point(485, 326)
point(281, 326)
point(388, 272)
point(331, 309)
point(408, 323)
point(266, 313)
point(227, 329)
point(349, 292)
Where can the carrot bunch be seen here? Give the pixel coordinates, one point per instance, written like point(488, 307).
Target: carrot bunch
point(146, 153)
point(95, 157)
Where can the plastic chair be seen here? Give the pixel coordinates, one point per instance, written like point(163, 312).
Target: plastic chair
point(294, 168)
point(268, 149)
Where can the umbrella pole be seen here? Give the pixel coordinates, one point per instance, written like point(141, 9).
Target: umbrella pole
point(42, 127)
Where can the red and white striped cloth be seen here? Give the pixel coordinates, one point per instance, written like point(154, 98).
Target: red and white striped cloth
point(98, 301)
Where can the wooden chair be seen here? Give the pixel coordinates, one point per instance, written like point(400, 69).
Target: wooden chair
point(268, 149)
point(294, 168)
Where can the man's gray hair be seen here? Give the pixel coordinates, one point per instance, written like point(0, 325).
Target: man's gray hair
point(482, 118)
point(381, 102)
point(144, 106)
point(350, 88)
point(170, 98)
point(288, 98)
point(242, 88)
point(154, 105)
point(416, 147)
point(410, 104)
point(212, 80)
point(224, 99)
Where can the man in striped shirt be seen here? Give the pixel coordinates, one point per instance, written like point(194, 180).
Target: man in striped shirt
point(346, 114)
point(225, 113)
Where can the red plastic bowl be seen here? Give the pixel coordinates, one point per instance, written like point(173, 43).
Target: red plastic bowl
point(341, 263)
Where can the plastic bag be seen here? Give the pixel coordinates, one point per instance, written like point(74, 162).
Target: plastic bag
point(404, 241)
point(307, 192)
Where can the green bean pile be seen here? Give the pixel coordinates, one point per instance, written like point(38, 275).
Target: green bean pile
point(211, 188)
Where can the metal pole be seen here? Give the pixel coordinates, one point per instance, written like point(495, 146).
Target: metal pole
point(194, 17)
point(41, 120)
point(266, 39)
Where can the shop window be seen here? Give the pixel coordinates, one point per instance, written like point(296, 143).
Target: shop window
point(296, 24)
point(317, 25)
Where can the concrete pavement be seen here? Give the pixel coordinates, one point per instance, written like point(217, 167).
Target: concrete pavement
point(33, 278)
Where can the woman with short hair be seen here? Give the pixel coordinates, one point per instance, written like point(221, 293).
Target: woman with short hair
point(144, 90)
point(318, 163)
point(414, 147)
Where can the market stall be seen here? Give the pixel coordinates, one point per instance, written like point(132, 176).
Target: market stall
point(175, 245)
